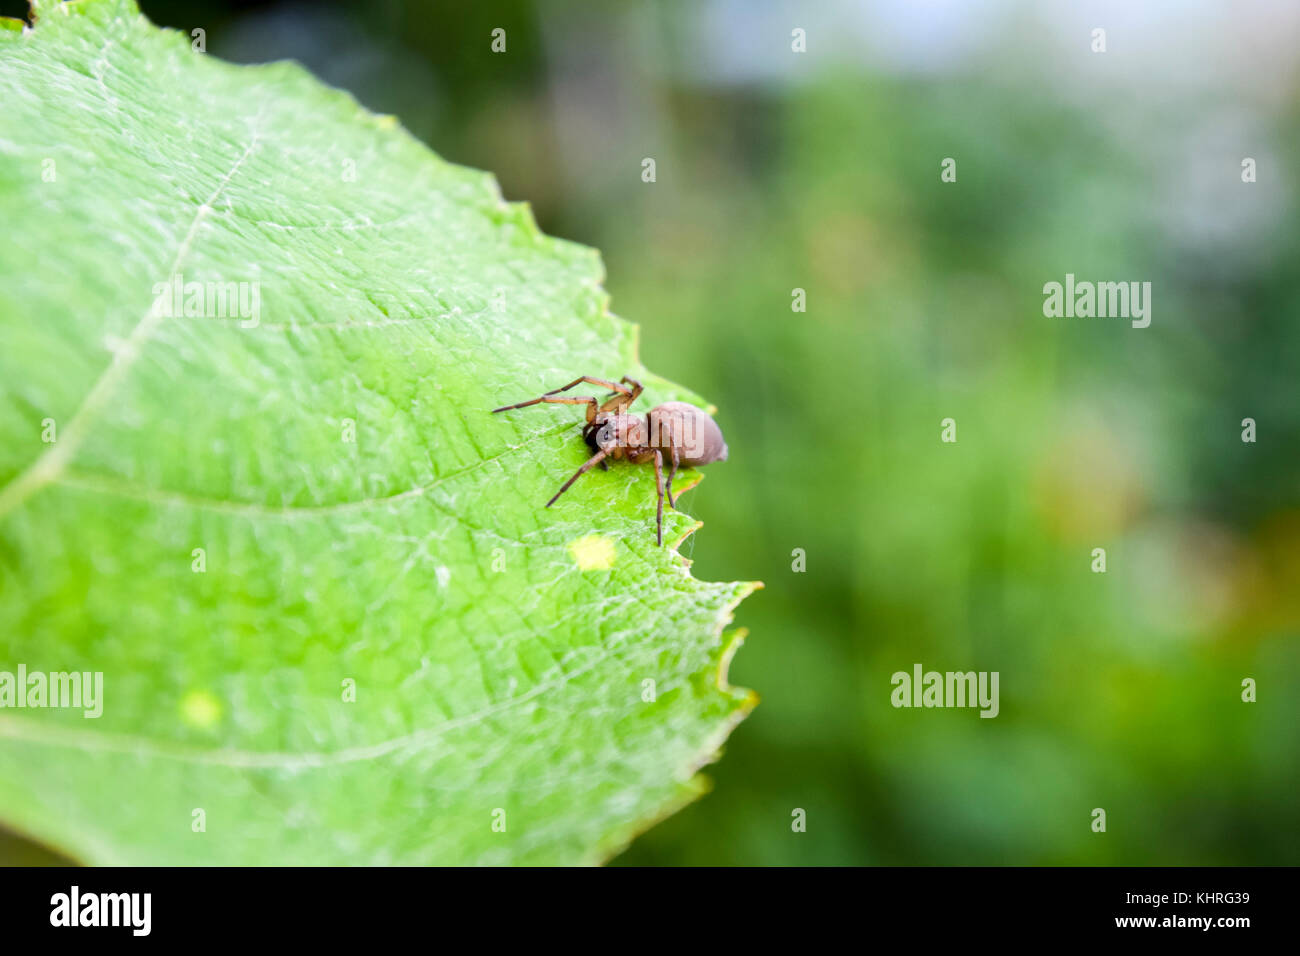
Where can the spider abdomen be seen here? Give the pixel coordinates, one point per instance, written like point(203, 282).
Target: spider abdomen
point(690, 430)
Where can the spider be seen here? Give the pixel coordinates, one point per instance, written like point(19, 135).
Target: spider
point(682, 432)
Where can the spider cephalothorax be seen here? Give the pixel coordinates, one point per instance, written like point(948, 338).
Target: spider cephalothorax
point(685, 434)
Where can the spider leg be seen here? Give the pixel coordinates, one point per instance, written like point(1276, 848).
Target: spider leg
point(595, 459)
point(672, 473)
point(659, 487)
point(591, 381)
point(622, 395)
point(622, 400)
point(592, 405)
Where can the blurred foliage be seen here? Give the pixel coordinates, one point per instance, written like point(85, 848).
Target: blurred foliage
point(1120, 690)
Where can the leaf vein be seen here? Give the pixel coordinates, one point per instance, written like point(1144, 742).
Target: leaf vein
point(54, 460)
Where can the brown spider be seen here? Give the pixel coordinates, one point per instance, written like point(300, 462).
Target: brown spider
point(686, 434)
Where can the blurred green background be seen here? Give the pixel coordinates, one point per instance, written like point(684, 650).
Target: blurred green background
point(821, 171)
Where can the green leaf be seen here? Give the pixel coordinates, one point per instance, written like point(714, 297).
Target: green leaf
point(236, 520)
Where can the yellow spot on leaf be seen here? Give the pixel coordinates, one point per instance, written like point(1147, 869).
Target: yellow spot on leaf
point(199, 708)
point(593, 553)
